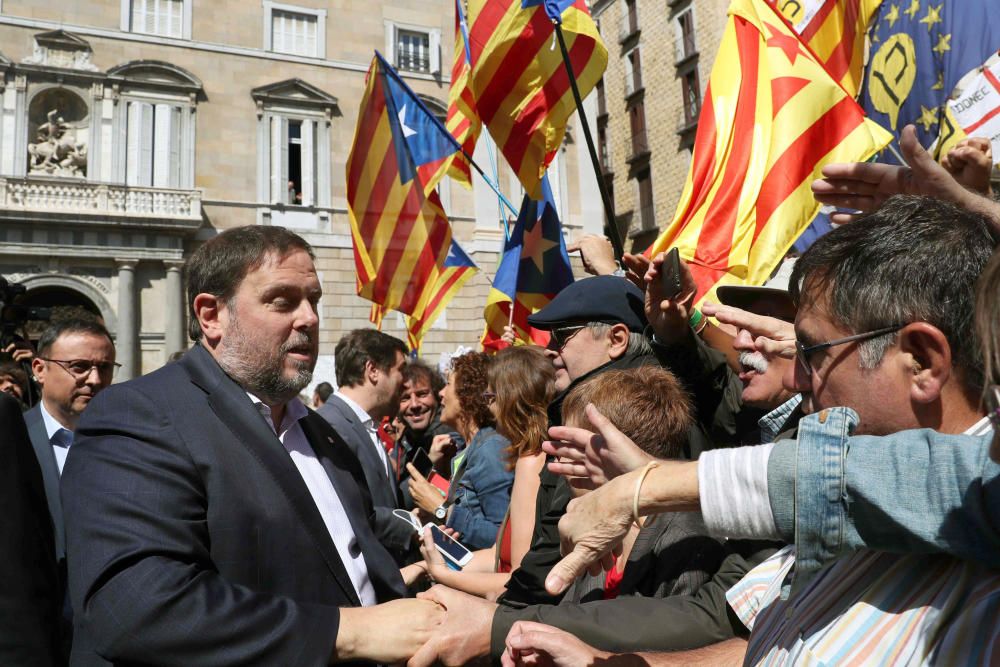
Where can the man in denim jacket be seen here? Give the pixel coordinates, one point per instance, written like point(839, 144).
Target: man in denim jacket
point(907, 264)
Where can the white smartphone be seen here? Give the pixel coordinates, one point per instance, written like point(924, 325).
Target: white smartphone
point(450, 548)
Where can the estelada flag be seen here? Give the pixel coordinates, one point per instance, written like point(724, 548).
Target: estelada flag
point(534, 268)
point(400, 231)
point(457, 269)
point(835, 30)
point(521, 87)
point(772, 118)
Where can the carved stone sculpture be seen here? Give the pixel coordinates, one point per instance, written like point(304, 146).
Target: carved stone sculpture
point(56, 151)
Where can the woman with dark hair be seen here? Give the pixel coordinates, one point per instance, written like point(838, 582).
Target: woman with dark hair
point(479, 494)
point(520, 386)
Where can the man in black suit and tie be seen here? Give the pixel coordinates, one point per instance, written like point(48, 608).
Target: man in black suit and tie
point(215, 519)
point(369, 367)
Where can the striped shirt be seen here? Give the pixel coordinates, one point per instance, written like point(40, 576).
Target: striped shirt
point(872, 608)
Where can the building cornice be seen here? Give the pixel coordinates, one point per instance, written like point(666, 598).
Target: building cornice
point(210, 47)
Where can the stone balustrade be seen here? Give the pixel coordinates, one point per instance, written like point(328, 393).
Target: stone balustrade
point(54, 196)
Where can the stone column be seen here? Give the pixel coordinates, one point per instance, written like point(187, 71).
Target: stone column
point(127, 340)
point(175, 338)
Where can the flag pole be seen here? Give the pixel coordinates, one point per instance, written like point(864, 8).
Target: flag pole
point(610, 225)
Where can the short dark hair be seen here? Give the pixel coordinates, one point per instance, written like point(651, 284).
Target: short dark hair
point(357, 347)
point(421, 372)
point(323, 390)
point(220, 265)
point(914, 259)
point(16, 373)
point(72, 325)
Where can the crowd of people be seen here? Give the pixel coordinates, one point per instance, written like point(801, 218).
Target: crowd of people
point(800, 473)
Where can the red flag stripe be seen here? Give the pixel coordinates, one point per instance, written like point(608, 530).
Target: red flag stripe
point(797, 162)
point(485, 25)
point(535, 36)
point(818, 20)
point(838, 64)
point(368, 123)
point(535, 113)
point(409, 213)
point(704, 160)
point(716, 239)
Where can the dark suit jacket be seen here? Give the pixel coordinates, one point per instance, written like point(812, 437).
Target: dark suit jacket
point(192, 538)
point(50, 474)
point(30, 593)
point(396, 535)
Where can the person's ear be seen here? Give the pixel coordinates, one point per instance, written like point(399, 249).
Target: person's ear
point(212, 315)
point(618, 338)
point(38, 370)
point(371, 372)
point(926, 355)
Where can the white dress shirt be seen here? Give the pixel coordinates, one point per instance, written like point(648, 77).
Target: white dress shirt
point(60, 437)
point(323, 494)
point(372, 430)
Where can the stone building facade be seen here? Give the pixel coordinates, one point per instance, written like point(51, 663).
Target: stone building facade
point(133, 130)
point(660, 58)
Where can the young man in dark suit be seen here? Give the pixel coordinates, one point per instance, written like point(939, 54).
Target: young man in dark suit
point(370, 381)
point(216, 519)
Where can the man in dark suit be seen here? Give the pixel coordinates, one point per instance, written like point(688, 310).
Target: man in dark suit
point(31, 594)
point(75, 361)
point(216, 519)
point(369, 367)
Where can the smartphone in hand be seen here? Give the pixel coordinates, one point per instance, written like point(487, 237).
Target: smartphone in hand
point(670, 274)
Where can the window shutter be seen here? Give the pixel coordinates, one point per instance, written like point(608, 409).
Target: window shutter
point(308, 152)
point(138, 22)
point(435, 52)
point(162, 138)
point(279, 159)
point(139, 144)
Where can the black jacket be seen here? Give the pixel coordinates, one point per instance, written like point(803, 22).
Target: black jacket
point(192, 537)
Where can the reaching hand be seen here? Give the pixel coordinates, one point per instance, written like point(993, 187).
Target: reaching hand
point(597, 254)
point(669, 317)
point(442, 450)
point(589, 459)
point(864, 186)
point(433, 559)
point(464, 635)
point(509, 335)
point(592, 530)
point(772, 336)
point(970, 162)
point(530, 643)
point(20, 351)
point(426, 496)
point(413, 623)
point(635, 269)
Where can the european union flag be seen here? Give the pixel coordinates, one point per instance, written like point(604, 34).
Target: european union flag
point(920, 49)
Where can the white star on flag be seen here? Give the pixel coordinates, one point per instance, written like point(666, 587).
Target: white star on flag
point(407, 130)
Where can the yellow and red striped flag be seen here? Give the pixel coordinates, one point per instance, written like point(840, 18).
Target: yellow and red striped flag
point(402, 238)
point(772, 118)
point(521, 88)
point(835, 30)
point(462, 119)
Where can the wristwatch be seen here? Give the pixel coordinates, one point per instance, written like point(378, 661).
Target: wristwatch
point(440, 512)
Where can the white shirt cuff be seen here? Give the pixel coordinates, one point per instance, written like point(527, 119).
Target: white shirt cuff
point(732, 484)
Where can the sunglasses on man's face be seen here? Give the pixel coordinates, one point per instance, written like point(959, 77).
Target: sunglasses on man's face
point(559, 336)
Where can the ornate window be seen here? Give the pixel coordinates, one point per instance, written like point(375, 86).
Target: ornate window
point(413, 48)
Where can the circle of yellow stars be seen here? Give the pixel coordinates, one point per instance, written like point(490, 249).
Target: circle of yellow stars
point(928, 117)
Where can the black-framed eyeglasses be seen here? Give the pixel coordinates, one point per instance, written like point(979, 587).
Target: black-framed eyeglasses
point(802, 352)
point(489, 397)
point(992, 402)
point(559, 336)
point(80, 368)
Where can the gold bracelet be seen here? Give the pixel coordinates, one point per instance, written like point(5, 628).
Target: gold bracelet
point(638, 487)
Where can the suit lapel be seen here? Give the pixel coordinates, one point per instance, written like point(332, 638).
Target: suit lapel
point(349, 482)
point(235, 409)
point(370, 460)
point(50, 474)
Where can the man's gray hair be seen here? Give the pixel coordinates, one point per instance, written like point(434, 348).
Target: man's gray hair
point(637, 343)
point(914, 259)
